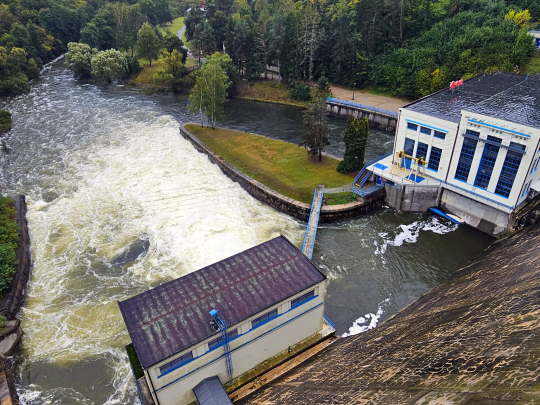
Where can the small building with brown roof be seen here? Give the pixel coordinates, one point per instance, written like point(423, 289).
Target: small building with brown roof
point(269, 297)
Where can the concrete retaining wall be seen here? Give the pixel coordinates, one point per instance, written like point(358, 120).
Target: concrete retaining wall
point(412, 197)
point(376, 119)
point(278, 201)
point(483, 217)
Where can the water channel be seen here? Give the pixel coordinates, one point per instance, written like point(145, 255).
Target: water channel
point(118, 203)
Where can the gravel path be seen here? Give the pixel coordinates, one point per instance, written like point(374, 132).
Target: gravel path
point(374, 100)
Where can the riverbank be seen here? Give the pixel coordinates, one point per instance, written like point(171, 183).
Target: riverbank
point(284, 167)
point(276, 200)
point(5, 122)
point(268, 91)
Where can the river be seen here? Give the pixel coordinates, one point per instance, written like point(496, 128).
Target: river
point(119, 202)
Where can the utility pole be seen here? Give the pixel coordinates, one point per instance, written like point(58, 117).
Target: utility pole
point(353, 86)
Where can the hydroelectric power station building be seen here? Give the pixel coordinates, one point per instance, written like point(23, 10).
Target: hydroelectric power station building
point(214, 325)
point(480, 146)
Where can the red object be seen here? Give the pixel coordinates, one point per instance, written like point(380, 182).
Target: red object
point(453, 85)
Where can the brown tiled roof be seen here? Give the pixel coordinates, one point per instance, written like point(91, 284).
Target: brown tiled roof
point(174, 316)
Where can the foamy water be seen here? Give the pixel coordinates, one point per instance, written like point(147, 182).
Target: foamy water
point(120, 173)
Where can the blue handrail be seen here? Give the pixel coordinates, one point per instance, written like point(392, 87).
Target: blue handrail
point(362, 106)
point(363, 193)
point(371, 162)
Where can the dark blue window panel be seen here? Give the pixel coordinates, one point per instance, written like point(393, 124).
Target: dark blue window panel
point(472, 133)
point(264, 318)
point(409, 146)
point(494, 139)
point(439, 134)
point(186, 358)
point(220, 341)
point(508, 173)
point(412, 126)
point(425, 130)
point(485, 169)
point(421, 151)
point(526, 189)
point(304, 298)
point(434, 158)
point(533, 165)
point(465, 159)
point(517, 145)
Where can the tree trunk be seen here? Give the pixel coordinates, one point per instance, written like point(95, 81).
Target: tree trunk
point(320, 155)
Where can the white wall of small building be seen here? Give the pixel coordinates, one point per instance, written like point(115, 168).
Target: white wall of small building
point(250, 348)
point(486, 126)
point(433, 123)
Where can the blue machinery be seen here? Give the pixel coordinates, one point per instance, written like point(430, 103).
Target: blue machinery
point(219, 324)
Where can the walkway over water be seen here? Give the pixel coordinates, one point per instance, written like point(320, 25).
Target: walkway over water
point(311, 229)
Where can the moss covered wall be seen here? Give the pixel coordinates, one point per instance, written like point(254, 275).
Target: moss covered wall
point(472, 340)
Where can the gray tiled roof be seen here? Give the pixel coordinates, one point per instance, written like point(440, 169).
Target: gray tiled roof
point(447, 104)
point(210, 392)
point(519, 104)
point(174, 316)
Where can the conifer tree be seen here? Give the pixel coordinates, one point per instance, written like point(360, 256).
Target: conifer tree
point(355, 137)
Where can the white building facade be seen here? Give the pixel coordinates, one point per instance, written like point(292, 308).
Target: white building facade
point(270, 296)
point(481, 144)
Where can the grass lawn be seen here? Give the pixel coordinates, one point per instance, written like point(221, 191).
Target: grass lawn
point(267, 90)
point(533, 65)
point(174, 26)
point(146, 75)
point(340, 198)
point(284, 167)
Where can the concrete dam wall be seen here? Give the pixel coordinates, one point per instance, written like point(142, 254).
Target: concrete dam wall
point(471, 340)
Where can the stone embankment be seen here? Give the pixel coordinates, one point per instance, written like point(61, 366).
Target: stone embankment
point(280, 202)
point(11, 304)
point(472, 340)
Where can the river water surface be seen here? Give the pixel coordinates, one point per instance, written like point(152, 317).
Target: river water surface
point(119, 202)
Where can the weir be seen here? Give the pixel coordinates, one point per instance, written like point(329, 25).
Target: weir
point(311, 229)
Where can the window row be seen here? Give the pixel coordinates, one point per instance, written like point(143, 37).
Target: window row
point(426, 130)
point(422, 151)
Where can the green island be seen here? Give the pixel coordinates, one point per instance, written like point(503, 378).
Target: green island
point(5, 122)
point(284, 167)
point(9, 240)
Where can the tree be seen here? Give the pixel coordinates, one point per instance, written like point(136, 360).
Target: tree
point(109, 65)
point(208, 95)
point(316, 130)
point(147, 43)
point(172, 62)
point(79, 58)
point(172, 42)
point(355, 138)
point(129, 20)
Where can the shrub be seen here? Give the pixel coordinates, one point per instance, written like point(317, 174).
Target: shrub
point(299, 91)
point(9, 240)
point(163, 79)
point(5, 122)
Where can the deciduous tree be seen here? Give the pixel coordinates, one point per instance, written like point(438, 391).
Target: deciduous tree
point(109, 65)
point(147, 43)
point(79, 58)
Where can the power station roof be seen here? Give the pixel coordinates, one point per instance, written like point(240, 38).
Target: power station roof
point(174, 316)
point(447, 104)
point(210, 392)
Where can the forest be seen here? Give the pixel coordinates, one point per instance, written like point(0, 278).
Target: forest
point(407, 48)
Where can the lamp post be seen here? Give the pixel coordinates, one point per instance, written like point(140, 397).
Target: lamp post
point(353, 86)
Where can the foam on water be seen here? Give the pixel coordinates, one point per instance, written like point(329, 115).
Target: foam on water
point(368, 321)
point(121, 173)
point(410, 233)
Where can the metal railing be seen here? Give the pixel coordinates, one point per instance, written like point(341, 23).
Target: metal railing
point(362, 106)
point(367, 191)
point(362, 171)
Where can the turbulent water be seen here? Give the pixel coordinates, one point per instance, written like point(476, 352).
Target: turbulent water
point(118, 203)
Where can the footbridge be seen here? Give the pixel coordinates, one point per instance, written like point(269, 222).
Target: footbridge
point(311, 229)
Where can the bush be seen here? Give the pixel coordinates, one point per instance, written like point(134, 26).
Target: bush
point(163, 79)
point(5, 122)
point(133, 64)
point(9, 240)
point(184, 83)
point(299, 91)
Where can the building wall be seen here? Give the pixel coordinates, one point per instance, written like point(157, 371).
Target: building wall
point(412, 197)
point(432, 124)
point(250, 348)
point(508, 132)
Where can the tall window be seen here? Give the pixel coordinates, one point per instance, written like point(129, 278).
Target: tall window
point(465, 159)
point(434, 158)
point(264, 318)
point(485, 169)
point(409, 146)
point(508, 173)
point(176, 362)
point(303, 298)
point(219, 341)
point(421, 151)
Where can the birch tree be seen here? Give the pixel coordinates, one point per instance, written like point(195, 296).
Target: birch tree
point(310, 25)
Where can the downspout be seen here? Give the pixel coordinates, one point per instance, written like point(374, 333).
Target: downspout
point(395, 137)
point(452, 154)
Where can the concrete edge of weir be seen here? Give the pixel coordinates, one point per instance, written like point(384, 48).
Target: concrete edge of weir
point(277, 200)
